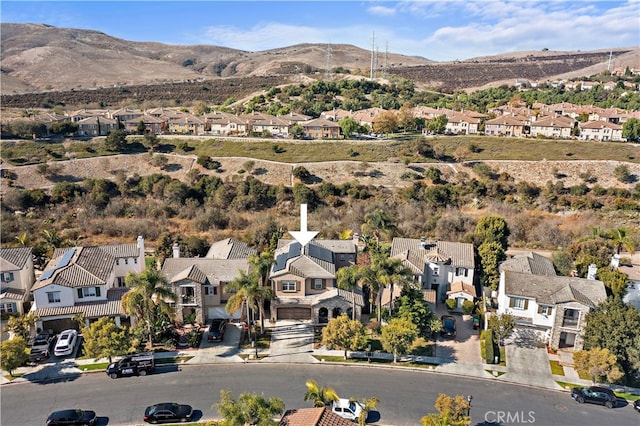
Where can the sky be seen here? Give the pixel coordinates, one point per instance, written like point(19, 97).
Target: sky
point(436, 30)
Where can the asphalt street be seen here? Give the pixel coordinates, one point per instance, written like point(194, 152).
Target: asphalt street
point(405, 394)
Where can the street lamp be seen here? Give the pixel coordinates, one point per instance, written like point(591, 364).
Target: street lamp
point(469, 398)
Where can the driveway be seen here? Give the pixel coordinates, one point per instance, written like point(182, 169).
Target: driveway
point(465, 347)
point(291, 341)
point(527, 362)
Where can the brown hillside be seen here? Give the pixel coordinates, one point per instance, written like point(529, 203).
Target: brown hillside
point(39, 58)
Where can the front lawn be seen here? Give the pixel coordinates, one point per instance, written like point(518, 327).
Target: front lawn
point(556, 368)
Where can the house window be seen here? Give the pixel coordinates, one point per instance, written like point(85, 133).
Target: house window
point(126, 261)
point(544, 309)
point(436, 271)
point(7, 277)
point(117, 262)
point(209, 290)
point(342, 256)
point(288, 285)
point(120, 282)
point(135, 260)
point(317, 283)
point(53, 296)
point(518, 303)
point(462, 272)
point(7, 308)
point(88, 292)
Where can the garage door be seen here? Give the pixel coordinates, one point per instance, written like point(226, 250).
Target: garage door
point(60, 325)
point(218, 312)
point(294, 313)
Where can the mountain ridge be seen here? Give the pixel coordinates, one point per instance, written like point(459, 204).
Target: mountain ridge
point(39, 58)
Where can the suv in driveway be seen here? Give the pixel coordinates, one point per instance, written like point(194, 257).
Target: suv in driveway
point(448, 326)
point(217, 328)
point(595, 395)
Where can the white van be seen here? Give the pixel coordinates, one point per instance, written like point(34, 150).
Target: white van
point(349, 410)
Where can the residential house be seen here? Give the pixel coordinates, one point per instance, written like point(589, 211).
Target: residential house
point(556, 127)
point(17, 276)
point(436, 265)
point(295, 118)
point(600, 131)
point(321, 128)
point(96, 126)
point(462, 292)
point(304, 280)
point(507, 125)
point(552, 307)
point(224, 124)
point(125, 114)
point(259, 123)
point(315, 416)
point(366, 117)
point(85, 280)
point(187, 124)
point(152, 124)
point(199, 282)
point(336, 114)
point(459, 123)
point(632, 271)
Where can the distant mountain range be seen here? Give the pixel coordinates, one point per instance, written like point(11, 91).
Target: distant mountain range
point(38, 58)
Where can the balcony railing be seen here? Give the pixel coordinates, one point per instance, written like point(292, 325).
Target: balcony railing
point(570, 322)
point(188, 300)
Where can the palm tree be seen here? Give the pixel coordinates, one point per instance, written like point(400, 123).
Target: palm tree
point(321, 396)
point(249, 409)
point(621, 240)
point(367, 405)
point(390, 272)
point(347, 279)
point(261, 267)
point(248, 293)
point(148, 299)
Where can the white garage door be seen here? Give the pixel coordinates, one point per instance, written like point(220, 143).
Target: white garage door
point(219, 312)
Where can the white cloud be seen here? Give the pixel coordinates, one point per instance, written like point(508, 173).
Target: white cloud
point(381, 10)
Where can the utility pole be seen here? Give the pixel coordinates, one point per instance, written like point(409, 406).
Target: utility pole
point(373, 49)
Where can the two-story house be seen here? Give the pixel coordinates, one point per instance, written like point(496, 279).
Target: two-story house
point(304, 280)
point(551, 306)
point(85, 280)
point(17, 275)
point(436, 265)
point(199, 282)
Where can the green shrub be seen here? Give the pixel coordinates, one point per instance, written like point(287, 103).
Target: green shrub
point(489, 352)
point(467, 307)
point(451, 304)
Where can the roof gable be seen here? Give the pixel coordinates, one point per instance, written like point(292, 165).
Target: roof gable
point(14, 258)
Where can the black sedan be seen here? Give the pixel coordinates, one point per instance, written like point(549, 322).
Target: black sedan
point(72, 417)
point(167, 412)
point(636, 405)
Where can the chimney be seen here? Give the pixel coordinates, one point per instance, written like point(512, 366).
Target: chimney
point(591, 274)
point(615, 261)
point(176, 250)
point(423, 243)
point(141, 243)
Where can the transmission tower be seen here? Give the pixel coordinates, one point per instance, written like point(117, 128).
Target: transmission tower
point(327, 73)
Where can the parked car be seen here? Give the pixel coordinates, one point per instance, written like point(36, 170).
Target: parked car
point(66, 343)
point(448, 326)
point(132, 365)
point(217, 328)
point(40, 346)
point(167, 412)
point(347, 409)
point(72, 417)
point(636, 405)
point(595, 395)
